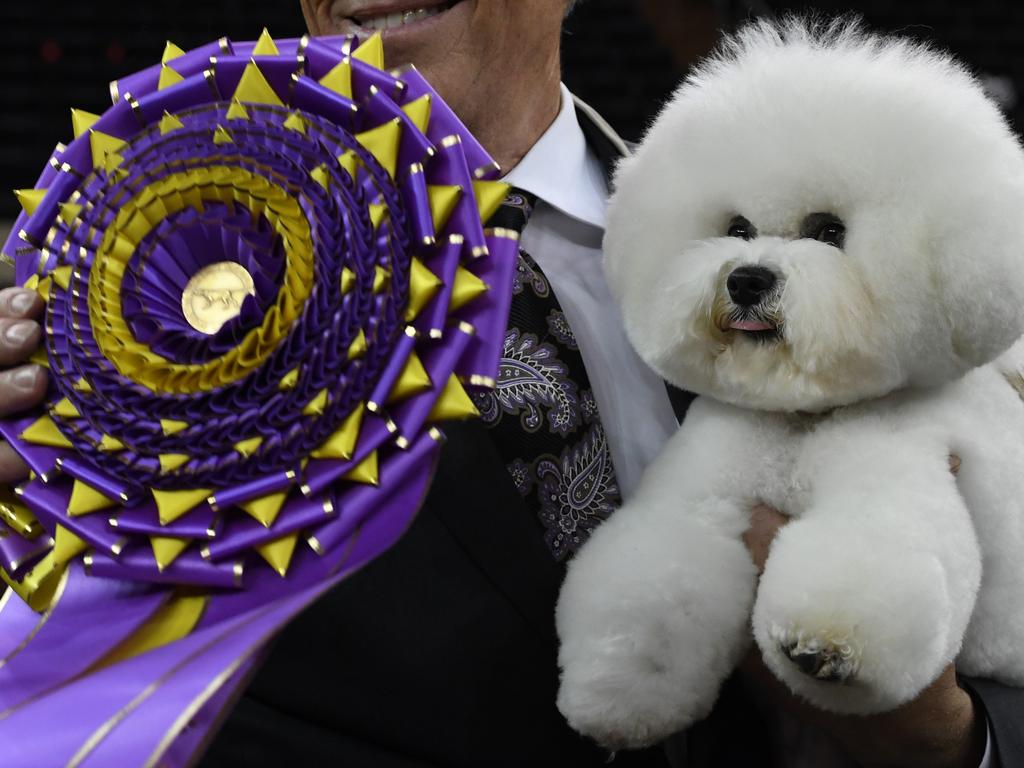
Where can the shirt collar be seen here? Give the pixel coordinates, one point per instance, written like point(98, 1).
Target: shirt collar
point(560, 169)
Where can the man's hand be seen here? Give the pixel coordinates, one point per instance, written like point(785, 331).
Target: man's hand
point(21, 385)
point(939, 729)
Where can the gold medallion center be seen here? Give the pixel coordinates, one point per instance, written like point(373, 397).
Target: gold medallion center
point(215, 294)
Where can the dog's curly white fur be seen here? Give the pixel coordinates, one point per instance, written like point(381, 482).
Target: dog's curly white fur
point(844, 340)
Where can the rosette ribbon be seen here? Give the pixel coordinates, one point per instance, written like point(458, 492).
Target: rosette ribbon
point(267, 279)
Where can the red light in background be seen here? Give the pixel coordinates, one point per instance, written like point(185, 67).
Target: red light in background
point(115, 52)
point(50, 51)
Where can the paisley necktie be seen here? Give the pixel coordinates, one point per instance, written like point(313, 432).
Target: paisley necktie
point(542, 414)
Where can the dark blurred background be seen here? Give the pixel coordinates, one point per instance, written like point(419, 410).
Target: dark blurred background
point(624, 56)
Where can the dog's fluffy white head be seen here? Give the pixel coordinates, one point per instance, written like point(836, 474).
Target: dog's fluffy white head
point(874, 198)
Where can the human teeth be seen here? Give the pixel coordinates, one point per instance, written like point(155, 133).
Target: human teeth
point(394, 20)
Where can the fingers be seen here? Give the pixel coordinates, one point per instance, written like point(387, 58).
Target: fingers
point(20, 304)
point(12, 468)
point(19, 332)
point(21, 388)
point(765, 522)
point(18, 340)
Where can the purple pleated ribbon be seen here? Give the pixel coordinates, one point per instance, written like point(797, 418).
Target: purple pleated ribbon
point(196, 484)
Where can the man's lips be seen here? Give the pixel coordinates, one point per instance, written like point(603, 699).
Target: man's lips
point(751, 325)
point(391, 15)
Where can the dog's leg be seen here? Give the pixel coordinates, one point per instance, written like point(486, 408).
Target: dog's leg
point(865, 598)
point(654, 613)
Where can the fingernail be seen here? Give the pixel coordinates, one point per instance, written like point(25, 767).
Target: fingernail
point(25, 378)
point(22, 301)
point(19, 333)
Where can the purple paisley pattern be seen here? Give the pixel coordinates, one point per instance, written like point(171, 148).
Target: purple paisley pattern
point(544, 417)
point(577, 491)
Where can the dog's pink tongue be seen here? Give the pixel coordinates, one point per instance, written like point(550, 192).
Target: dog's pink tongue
point(752, 325)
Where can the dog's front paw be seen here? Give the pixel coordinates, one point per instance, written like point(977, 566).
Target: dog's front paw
point(629, 701)
point(827, 656)
point(848, 630)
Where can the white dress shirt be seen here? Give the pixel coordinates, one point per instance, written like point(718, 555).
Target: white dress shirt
point(564, 237)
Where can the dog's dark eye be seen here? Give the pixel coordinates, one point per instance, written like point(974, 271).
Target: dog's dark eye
point(740, 227)
point(825, 228)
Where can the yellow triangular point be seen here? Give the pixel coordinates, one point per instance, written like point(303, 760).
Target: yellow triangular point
point(253, 88)
point(174, 620)
point(32, 283)
point(289, 380)
point(62, 276)
point(342, 443)
point(169, 123)
point(349, 163)
point(466, 288)
point(39, 357)
point(358, 347)
point(295, 123)
point(66, 545)
point(443, 199)
point(423, 286)
point(172, 427)
point(111, 162)
point(221, 136)
point(30, 199)
point(173, 504)
point(82, 121)
point(102, 145)
point(380, 279)
point(265, 509)
point(316, 406)
point(489, 197)
point(44, 432)
point(453, 403)
point(265, 46)
point(366, 472)
point(377, 212)
point(111, 444)
point(348, 279)
point(419, 112)
point(339, 79)
point(166, 549)
point(69, 211)
point(66, 409)
point(371, 52)
point(171, 461)
point(237, 111)
point(320, 176)
point(83, 386)
point(168, 77)
point(382, 142)
point(248, 447)
point(86, 499)
point(278, 554)
point(413, 380)
point(171, 52)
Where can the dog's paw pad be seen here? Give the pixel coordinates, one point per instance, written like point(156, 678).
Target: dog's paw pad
point(829, 659)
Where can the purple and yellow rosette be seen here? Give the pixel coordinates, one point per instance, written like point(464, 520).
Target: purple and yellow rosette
point(267, 278)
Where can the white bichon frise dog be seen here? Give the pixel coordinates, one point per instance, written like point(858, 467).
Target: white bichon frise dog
point(821, 236)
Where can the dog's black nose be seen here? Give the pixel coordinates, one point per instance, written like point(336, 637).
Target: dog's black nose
point(747, 285)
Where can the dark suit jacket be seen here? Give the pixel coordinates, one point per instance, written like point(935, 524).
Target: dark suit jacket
point(443, 651)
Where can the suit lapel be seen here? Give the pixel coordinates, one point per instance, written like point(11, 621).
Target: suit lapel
point(475, 499)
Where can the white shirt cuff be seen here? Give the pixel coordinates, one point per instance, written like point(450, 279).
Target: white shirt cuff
point(988, 760)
